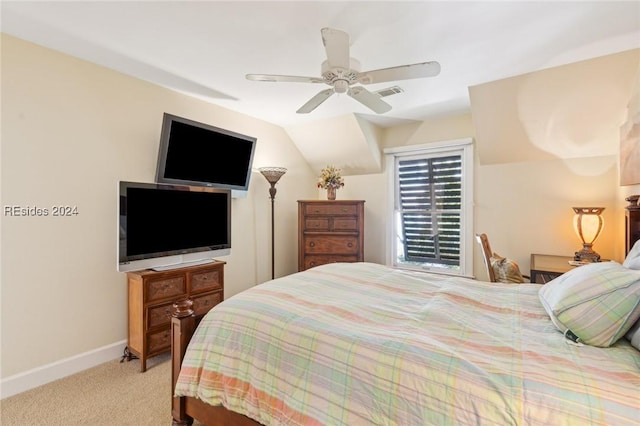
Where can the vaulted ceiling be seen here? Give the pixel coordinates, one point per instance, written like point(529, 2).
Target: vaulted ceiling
point(206, 48)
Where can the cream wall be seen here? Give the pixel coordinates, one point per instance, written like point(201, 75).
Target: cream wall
point(548, 141)
point(70, 131)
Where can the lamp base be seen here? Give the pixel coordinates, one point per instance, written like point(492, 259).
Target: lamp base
point(586, 254)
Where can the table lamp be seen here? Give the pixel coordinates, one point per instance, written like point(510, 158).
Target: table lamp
point(587, 223)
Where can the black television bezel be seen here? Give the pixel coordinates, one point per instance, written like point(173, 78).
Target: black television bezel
point(171, 258)
point(165, 139)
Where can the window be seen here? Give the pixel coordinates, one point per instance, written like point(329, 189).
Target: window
point(432, 207)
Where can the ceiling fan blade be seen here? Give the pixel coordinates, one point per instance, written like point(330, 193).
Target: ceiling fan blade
point(336, 44)
point(283, 78)
point(314, 102)
point(403, 72)
point(368, 99)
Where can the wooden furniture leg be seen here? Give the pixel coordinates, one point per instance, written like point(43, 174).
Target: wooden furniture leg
point(183, 324)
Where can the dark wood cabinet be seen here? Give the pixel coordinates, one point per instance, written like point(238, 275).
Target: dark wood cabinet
point(631, 222)
point(330, 231)
point(151, 298)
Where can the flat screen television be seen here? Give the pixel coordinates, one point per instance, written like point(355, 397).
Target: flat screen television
point(165, 226)
point(198, 154)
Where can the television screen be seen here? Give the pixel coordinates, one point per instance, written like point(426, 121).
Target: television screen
point(199, 154)
point(165, 225)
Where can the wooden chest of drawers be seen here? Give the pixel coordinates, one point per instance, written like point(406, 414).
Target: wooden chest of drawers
point(151, 298)
point(330, 231)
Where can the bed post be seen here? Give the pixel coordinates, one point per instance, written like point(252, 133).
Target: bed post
point(183, 323)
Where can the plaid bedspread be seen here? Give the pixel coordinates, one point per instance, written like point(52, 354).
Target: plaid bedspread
point(364, 344)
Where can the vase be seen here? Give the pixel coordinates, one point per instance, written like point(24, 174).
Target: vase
point(331, 193)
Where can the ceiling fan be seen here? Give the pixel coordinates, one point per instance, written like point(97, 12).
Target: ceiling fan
point(342, 73)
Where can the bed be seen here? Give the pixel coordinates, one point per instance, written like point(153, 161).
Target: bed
point(366, 344)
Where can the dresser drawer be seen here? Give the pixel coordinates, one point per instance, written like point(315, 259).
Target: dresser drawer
point(159, 315)
point(206, 281)
point(159, 341)
point(345, 224)
point(331, 244)
point(320, 223)
point(163, 288)
point(316, 224)
point(317, 260)
point(203, 304)
point(330, 209)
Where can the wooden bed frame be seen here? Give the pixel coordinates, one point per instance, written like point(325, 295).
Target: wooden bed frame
point(183, 324)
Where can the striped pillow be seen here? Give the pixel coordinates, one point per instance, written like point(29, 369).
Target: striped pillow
point(595, 304)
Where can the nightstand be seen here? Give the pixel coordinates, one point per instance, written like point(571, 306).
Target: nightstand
point(545, 267)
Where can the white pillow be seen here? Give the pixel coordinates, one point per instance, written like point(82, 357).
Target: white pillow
point(595, 303)
point(632, 260)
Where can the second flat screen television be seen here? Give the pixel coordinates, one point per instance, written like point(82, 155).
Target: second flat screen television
point(198, 154)
point(168, 226)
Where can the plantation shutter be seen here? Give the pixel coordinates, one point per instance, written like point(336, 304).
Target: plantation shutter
point(430, 206)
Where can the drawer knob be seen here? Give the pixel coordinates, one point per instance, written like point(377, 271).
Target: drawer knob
point(312, 244)
point(344, 209)
point(350, 245)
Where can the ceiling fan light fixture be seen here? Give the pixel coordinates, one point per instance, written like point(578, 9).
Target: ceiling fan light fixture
point(341, 86)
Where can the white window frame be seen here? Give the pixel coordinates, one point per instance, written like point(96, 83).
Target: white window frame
point(463, 147)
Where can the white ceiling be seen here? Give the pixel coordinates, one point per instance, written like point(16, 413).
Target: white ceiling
point(205, 48)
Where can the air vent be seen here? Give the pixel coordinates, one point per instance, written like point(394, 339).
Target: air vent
point(389, 91)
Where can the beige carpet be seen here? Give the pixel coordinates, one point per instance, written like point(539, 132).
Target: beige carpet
point(113, 393)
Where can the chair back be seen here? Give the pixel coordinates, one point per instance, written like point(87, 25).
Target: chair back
point(485, 247)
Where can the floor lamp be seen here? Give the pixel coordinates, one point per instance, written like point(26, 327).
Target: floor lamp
point(273, 175)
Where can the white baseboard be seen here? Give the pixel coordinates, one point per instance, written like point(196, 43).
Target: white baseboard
point(39, 376)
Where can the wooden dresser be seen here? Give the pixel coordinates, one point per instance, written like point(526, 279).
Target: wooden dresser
point(330, 231)
point(151, 298)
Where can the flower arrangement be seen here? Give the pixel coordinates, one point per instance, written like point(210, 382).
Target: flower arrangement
point(330, 178)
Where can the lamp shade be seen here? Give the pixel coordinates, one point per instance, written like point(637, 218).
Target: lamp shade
point(587, 223)
point(272, 174)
